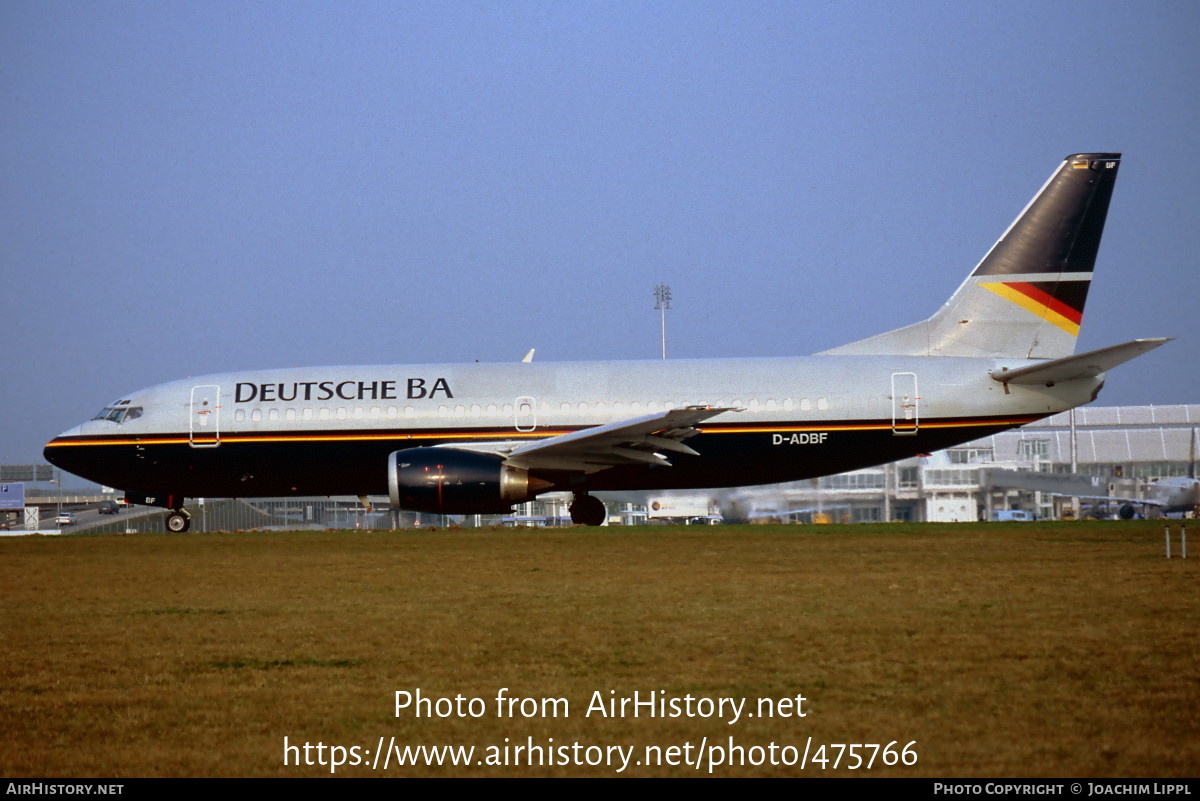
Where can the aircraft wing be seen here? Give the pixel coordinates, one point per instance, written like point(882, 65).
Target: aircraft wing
point(1113, 499)
point(640, 440)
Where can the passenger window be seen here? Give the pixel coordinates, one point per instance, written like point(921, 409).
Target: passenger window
point(239, 415)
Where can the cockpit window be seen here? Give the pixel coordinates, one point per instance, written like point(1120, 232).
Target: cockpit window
point(118, 414)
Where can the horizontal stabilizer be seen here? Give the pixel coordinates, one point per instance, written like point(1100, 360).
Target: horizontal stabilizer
point(1083, 365)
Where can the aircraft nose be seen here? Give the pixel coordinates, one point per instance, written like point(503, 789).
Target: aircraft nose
point(52, 453)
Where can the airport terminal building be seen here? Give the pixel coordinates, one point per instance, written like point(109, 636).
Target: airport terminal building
point(1121, 450)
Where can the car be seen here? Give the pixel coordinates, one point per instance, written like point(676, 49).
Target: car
point(109, 508)
point(65, 519)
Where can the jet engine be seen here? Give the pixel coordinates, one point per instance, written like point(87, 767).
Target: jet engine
point(452, 481)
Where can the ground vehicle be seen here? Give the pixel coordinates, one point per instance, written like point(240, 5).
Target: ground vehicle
point(65, 519)
point(1021, 515)
point(109, 507)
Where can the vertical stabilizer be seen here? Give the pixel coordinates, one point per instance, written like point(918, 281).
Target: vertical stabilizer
point(1025, 299)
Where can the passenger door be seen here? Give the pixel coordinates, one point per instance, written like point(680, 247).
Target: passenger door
point(204, 418)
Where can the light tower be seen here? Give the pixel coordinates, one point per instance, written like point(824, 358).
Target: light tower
point(662, 302)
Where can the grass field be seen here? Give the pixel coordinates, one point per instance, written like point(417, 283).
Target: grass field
point(1064, 649)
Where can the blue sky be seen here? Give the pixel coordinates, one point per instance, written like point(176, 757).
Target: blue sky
point(199, 187)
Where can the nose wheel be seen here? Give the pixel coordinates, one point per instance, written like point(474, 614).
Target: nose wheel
point(587, 510)
point(179, 521)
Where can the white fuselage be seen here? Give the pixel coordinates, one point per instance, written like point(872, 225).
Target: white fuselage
point(265, 432)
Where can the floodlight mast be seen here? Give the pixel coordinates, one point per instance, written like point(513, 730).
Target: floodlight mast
point(662, 302)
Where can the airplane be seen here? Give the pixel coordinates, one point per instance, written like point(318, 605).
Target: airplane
point(1177, 495)
point(1173, 495)
point(479, 438)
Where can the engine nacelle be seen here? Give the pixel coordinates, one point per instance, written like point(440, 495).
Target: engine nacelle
point(452, 481)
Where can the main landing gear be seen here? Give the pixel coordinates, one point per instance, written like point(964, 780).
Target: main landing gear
point(179, 521)
point(587, 510)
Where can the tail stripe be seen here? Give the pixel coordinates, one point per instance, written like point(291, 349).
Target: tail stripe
point(1041, 304)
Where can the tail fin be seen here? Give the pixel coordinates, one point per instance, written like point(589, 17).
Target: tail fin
point(1025, 299)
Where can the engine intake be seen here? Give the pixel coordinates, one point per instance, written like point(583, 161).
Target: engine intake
point(452, 481)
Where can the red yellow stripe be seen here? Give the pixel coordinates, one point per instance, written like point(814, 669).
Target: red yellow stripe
point(883, 426)
point(245, 438)
point(531, 435)
point(1040, 303)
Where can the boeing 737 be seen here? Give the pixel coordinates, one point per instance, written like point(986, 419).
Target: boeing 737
point(478, 438)
point(1174, 495)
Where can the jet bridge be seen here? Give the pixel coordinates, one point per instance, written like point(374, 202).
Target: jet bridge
point(1063, 485)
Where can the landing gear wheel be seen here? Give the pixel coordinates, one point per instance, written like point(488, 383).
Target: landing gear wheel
point(587, 510)
point(178, 522)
